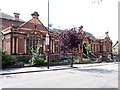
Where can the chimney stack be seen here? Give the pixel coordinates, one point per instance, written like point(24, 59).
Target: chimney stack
point(16, 16)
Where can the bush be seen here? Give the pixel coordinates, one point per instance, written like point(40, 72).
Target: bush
point(39, 61)
point(23, 60)
point(55, 60)
point(7, 59)
point(37, 58)
point(61, 60)
point(58, 59)
point(86, 60)
point(70, 60)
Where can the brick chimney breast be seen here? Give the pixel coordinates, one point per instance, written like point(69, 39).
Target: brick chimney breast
point(35, 15)
point(16, 16)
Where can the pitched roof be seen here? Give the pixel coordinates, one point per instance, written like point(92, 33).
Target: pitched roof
point(8, 17)
point(90, 35)
point(33, 24)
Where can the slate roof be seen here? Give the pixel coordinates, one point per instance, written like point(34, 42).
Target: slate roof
point(90, 35)
point(8, 17)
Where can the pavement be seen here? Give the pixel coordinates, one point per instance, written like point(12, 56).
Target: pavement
point(51, 68)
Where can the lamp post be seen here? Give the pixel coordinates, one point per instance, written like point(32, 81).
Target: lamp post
point(47, 41)
point(48, 15)
point(47, 49)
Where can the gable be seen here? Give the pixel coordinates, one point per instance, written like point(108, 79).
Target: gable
point(33, 24)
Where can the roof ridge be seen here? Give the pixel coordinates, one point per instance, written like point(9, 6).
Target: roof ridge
point(8, 17)
point(3, 15)
point(24, 23)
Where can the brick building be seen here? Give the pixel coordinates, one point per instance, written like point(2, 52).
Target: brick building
point(18, 37)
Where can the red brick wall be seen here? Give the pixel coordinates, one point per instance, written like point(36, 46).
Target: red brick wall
point(21, 45)
point(6, 22)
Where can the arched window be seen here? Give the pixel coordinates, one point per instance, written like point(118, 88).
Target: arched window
point(34, 39)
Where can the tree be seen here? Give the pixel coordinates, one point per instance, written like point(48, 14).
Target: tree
point(69, 39)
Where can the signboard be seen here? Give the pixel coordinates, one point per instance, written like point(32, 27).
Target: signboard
point(47, 39)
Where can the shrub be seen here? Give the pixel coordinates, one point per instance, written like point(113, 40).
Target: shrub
point(23, 60)
point(86, 60)
point(70, 60)
point(38, 61)
point(7, 59)
point(54, 60)
point(61, 60)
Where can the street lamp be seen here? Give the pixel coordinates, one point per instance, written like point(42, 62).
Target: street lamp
point(47, 49)
point(48, 16)
point(47, 41)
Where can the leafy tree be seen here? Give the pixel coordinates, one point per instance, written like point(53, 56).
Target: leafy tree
point(69, 39)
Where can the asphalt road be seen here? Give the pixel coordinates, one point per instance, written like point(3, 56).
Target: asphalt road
point(105, 76)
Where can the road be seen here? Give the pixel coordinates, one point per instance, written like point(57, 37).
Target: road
point(105, 76)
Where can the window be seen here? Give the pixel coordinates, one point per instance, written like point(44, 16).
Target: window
point(33, 40)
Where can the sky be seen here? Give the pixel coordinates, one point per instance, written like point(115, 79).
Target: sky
point(96, 18)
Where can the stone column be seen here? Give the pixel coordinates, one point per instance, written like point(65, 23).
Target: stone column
point(13, 44)
point(44, 47)
point(25, 45)
point(53, 46)
point(17, 45)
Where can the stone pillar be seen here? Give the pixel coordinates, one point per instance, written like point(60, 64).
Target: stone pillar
point(96, 47)
point(17, 45)
point(13, 45)
point(25, 45)
point(44, 47)
point(53, 46)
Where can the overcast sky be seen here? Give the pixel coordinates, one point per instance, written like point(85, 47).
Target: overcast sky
point(96, 17)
